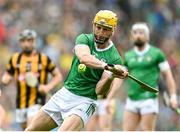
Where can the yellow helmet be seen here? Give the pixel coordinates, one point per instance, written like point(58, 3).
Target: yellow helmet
point(106, 18)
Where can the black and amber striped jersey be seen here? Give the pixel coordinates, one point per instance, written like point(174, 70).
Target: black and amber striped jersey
point(40, 65)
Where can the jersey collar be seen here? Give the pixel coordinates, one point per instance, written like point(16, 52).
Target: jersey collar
point(109, 46)
point(141, 53)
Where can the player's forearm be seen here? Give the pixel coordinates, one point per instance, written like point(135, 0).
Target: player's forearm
point(170, 82)
point(103, 86)
point(171, 88)
point(116, 84)
point(54, 81)
point(171, 85)
point(6, 78)
point(92, 62)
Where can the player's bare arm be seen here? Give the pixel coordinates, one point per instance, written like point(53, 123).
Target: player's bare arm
point(57, 77)
point(104, 83)
point(167, 74)
point(6, 78)
point(116, 84)
point(85, 57)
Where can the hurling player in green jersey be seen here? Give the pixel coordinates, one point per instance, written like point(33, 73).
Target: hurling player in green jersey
point(72, 106)
point(145, 62)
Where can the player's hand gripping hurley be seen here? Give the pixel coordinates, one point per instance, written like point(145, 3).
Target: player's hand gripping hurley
point(117, 71)
point(166, 100)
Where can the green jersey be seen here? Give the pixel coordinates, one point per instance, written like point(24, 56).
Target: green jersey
point(84, 84)
point(145, 66)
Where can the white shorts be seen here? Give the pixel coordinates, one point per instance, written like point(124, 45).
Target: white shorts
point(64, 103)
point(142, 106)
point(101, 107)
point(23, 114)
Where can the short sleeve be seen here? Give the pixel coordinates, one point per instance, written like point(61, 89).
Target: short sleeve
point(162, 62)
point(51, 65)
point(9, 67)
point(82, 39)
point(161, 57)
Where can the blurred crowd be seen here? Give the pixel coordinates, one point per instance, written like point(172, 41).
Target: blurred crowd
point(58, 22)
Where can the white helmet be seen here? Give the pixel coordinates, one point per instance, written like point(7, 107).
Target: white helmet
point(142, 26)
point(27, 34)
